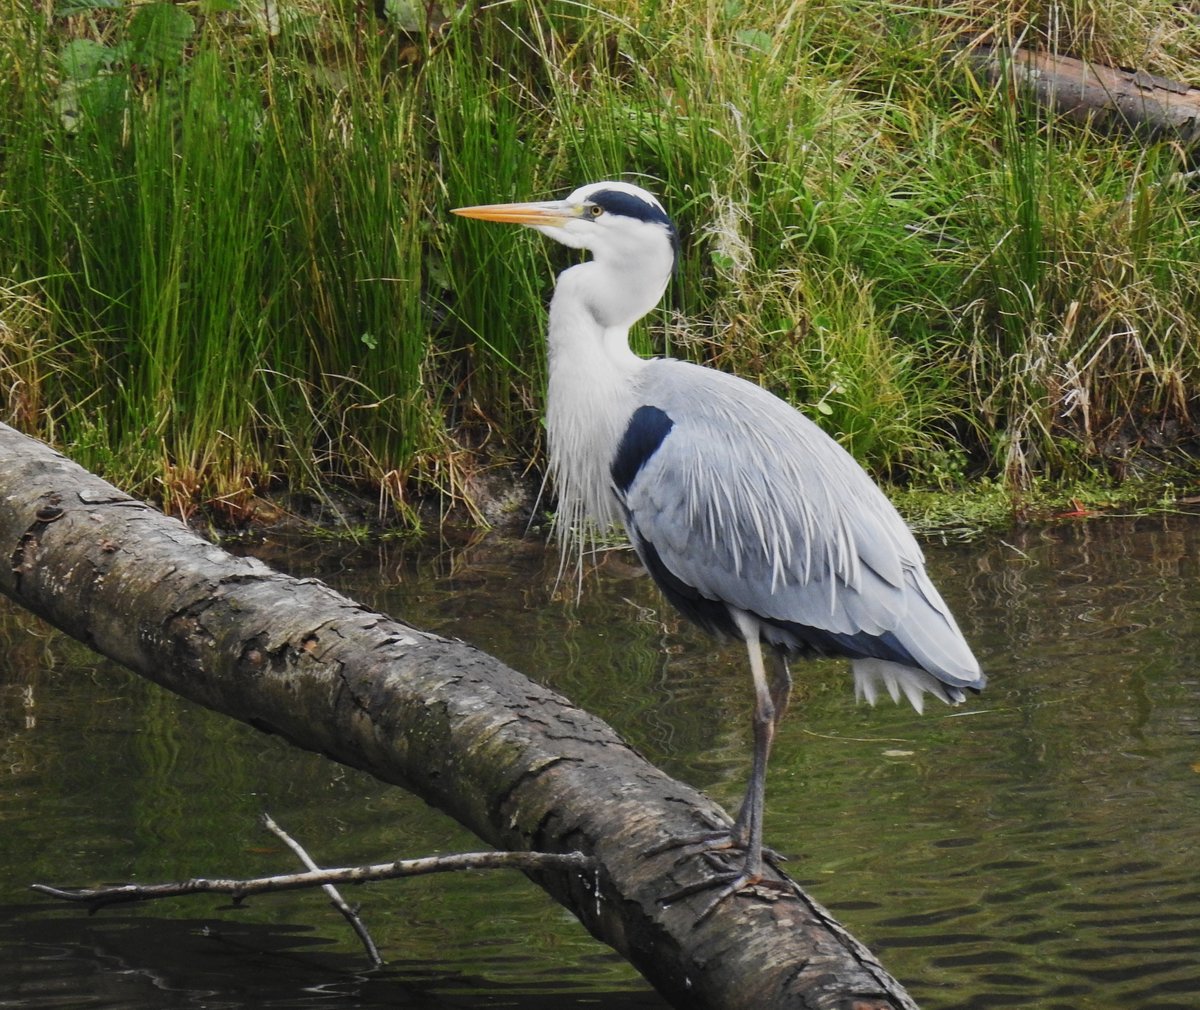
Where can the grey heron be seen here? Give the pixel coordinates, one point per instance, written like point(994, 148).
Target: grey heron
point(753, 522)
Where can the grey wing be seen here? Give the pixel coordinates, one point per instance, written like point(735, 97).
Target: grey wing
point(734, 499)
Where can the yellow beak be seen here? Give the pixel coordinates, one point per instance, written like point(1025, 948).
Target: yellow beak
point(554, 213)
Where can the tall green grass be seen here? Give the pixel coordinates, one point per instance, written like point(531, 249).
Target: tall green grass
point(226, 262)
point(232, 241)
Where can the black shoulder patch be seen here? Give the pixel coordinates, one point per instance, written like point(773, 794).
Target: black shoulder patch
point(616, 201)
point(647, 428)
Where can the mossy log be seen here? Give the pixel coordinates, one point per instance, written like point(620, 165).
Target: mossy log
point(512, 761)
point(1108, 97)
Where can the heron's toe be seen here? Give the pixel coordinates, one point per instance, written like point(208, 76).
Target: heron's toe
point(705, 842)
point(743, 883)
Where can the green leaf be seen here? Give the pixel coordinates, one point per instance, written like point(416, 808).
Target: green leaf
point(408, 15)
point(722, 261)
point(755, 38)
point(159, 34)
point(370, 340)
point(81, 59)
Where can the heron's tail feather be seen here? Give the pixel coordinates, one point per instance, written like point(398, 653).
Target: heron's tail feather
point(870, 674)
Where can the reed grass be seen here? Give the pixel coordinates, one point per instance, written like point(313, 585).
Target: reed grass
point(227, 266)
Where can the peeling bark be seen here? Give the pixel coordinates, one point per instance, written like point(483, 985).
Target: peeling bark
point(1108, 97)
point(512, 761)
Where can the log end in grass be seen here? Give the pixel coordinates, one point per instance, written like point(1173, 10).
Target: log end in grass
point(1108, 97)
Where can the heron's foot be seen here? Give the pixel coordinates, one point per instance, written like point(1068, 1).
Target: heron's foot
point(744, 882)
point(708, 841)
point(711, 845)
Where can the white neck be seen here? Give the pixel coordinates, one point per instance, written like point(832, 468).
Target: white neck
point(592, 391)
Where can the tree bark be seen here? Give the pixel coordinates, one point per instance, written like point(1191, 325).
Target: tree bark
point(1108, 97)
point(512, 761)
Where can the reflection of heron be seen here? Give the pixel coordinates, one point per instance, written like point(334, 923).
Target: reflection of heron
point(752, 521)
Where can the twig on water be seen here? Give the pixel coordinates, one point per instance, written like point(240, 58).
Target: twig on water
point(335, 897)
point(98, 897)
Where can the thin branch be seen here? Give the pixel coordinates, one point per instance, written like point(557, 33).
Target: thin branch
point(98, 897)
point(335, 897)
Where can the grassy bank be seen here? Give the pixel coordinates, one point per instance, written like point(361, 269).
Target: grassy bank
point(227, 265)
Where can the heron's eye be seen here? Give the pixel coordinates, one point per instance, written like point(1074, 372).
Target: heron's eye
point(595, 210)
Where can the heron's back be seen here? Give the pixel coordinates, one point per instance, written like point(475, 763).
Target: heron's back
point(735, 499)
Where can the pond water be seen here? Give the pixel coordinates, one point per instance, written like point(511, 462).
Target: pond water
point(1037, 848)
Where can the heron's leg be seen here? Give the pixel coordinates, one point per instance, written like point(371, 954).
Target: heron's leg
point(748, 829)
point(766, 718)
point(746, 832)
point(770, 697)
point(770, 700)
point(781, 684)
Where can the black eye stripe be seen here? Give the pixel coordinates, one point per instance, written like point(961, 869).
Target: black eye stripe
point(616, 202)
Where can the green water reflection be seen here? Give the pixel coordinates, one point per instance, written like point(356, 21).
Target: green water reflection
point(1037, 849)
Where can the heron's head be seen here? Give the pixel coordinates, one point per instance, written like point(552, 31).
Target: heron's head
point(624, 228)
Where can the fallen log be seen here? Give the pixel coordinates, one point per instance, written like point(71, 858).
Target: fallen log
point(1107, 97)
point(512, 761)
